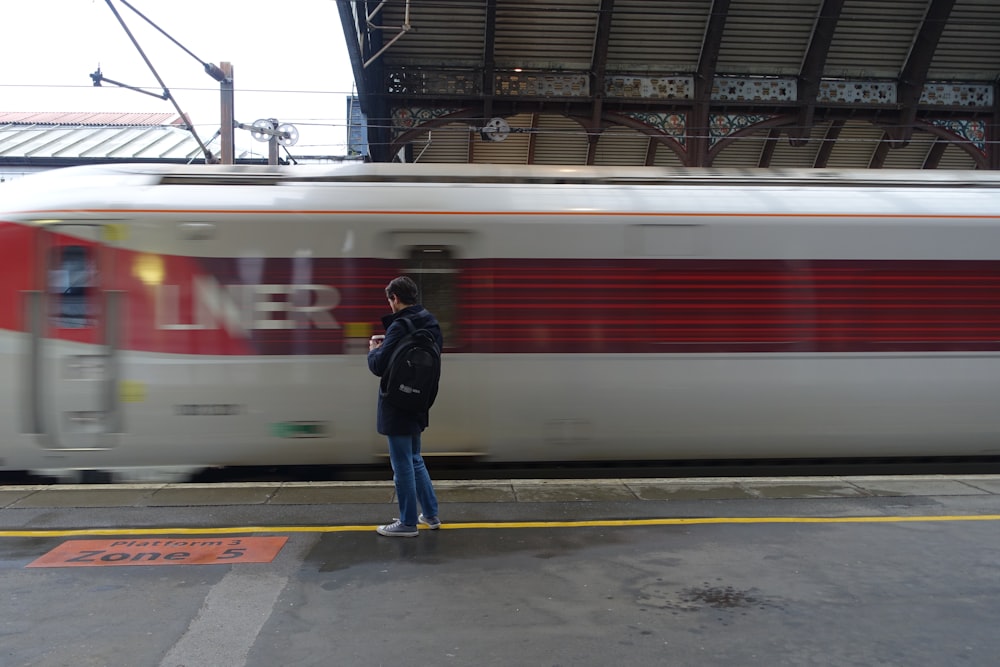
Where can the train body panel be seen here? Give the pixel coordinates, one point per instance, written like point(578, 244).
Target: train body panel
point(622, 407)
point(159, 317)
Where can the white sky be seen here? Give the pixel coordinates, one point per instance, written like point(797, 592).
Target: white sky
point(289, 62)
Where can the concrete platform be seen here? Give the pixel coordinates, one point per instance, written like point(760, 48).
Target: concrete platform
point(805, 571)
point(492, 491)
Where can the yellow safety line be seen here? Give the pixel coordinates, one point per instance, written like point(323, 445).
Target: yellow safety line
point(596, 523)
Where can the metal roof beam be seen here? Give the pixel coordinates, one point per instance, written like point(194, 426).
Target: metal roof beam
point(532, 139)
point(403, 29)
point(598, 68)
point(710, 46)
point(767, 153)
point(993, 133)
point(593, 136)
point(371, 40)
point(489, 59)
point(599, 59)
point(353, 36)
point(829, 143)
point(697, 139)
point(651, 151)
point(877, 160)
point(934, 155)
point(812, 68)
point(914, 72)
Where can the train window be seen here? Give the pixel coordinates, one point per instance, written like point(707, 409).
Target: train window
point(72, 287)
point(433, 268)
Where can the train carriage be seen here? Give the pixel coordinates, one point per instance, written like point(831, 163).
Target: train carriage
point(157, 319)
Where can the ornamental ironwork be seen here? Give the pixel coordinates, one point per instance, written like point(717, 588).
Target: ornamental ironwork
point(857, 92)
point(670, 124)
point(405, 81)
point(971, 131)
point(739, 89)
point(650, 87)
point(407, 118)
point(721, 126)
point(957, 95)
point(536, 84)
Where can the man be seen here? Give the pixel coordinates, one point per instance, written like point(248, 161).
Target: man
point(403, 428)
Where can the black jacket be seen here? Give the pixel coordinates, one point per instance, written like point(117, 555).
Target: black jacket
point(391, 420)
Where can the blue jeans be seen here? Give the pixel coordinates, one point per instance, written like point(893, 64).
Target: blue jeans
point(412, 480)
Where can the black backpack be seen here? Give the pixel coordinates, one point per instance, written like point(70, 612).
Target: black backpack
point(410, 381)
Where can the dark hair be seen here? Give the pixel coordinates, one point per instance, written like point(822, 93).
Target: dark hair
point(405, 289)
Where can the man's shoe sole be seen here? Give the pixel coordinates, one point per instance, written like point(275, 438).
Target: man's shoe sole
point(386, 533)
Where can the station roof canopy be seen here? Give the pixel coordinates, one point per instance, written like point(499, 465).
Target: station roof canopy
point(56, 139)
point(725, 83)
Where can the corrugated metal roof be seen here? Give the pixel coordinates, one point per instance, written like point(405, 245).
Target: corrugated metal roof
point(786, 155)
point(787, 26)
point(549, 31)
point(89, 118)
point(87, 136)
point(558, 140)
point(621, 146)
point(667, 39)
point(970, 44)
point(743, 153)
point(443, 144)
point(873, 38)
point(855, 146)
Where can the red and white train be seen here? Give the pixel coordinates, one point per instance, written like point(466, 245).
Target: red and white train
point(159, 319)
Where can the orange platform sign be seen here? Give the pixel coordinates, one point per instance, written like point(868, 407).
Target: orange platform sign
point(162, 551)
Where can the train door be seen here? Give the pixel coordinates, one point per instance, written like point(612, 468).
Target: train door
point(74, 322)
point(458, 422)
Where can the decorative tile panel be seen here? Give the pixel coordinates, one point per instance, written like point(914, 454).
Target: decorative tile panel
point(723, 125)
point(671, 124)
point(405, 81)
point(650, 87)
point(407, 118)
point(957, 95)
point(531, 84)
point(857, 92)
point(737, 89)
point(972, 131)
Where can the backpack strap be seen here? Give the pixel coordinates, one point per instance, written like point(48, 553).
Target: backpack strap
point(410, 328)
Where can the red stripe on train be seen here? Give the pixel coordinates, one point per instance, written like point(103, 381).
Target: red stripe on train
point(269, 306)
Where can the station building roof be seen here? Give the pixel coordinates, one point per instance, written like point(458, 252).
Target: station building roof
point(44, 140)
point(737, 83)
